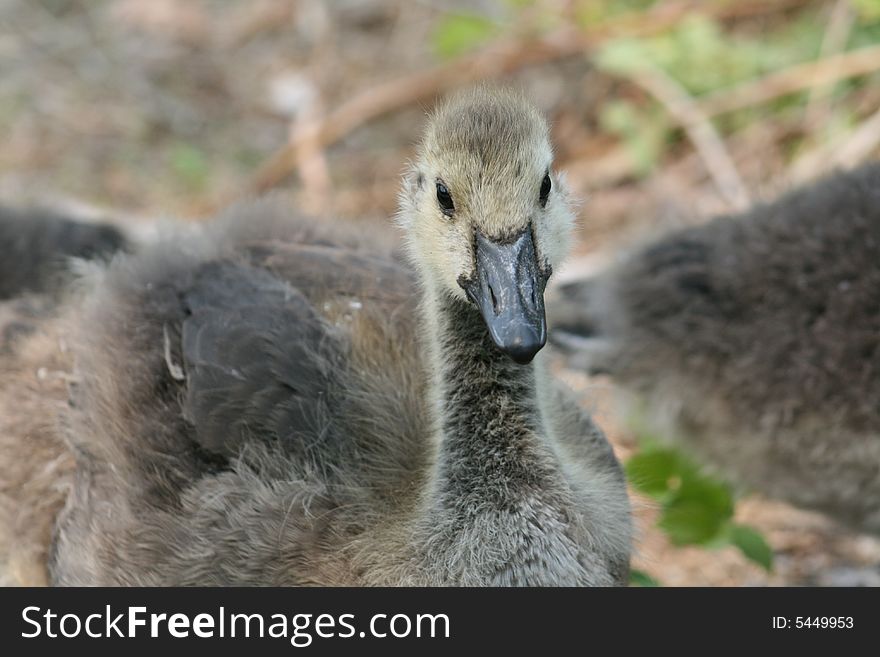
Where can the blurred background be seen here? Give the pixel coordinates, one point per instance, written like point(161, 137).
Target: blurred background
point(664, 112)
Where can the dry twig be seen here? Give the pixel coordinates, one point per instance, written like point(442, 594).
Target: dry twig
point(791, 80)
point(699, 129)
point(840, 23)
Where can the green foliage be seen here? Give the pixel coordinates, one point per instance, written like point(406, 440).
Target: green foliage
point(683, 53)
point(697, 512)
point(695, 508)
point(700, 55)
point(654, 471)
point(459, 33)
point(641, 578)
point(704, 56)
point(752, 544)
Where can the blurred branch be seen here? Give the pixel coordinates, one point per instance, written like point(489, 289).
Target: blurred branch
point(796, 78)
point(840, 22)
point(503, 57)
point(700, 131)
point(311, 162)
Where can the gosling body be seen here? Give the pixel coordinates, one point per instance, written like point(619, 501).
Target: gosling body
point(754, 341)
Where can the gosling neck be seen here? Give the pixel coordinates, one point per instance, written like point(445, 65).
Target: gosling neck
point(493, 447)
point(498, 509)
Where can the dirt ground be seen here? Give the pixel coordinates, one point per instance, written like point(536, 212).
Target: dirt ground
point(141, 110)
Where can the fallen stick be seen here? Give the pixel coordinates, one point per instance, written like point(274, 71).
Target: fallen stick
point(790, 80)
point(700, 131)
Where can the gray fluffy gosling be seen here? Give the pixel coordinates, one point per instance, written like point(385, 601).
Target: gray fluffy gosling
point(273, 401)
point(754, 340)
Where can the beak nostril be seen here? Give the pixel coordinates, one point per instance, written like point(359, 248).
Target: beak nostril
point(494, 299)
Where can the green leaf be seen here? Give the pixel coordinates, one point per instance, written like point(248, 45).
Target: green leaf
point(698, 511)
point(714, 495)
point(653, 472)
point(458, 33)
point(752, 544)
point(695, 508)
point(690, 521)
point(641, 578)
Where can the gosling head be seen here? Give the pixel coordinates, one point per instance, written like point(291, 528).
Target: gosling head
point(486, 218)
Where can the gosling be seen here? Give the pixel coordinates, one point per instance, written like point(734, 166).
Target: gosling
point(278, 402)
point(754, 340)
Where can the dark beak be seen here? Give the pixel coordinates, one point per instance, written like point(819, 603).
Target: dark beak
point(509, 291)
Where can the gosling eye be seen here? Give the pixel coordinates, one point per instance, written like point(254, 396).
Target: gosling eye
point(545, 190)
point(444, 198)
